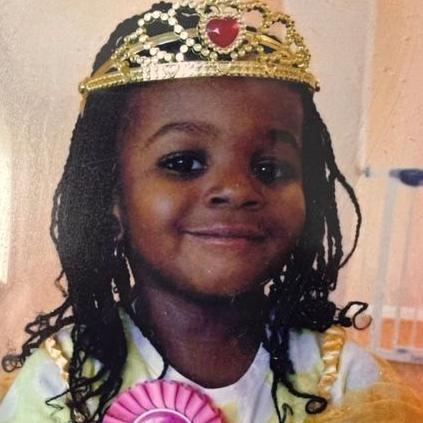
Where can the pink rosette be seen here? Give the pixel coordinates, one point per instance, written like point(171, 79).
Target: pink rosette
point(162, 401)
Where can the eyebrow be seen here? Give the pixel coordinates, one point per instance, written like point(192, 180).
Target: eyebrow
point(204, 128)
point(285, 137)
point(188, 127)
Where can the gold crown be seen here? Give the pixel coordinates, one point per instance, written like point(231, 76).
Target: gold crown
point(217, 42)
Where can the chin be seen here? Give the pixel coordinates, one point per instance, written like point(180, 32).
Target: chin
point(214, 297)
point(211, 284)
point(219, 291)
point(225, 290)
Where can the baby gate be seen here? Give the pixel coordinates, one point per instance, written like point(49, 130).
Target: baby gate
point(397, 309)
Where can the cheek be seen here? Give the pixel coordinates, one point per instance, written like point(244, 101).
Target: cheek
point(298, 212)
point(157, 208)
point(152, 209)
point(292, 212)
point(143, 206)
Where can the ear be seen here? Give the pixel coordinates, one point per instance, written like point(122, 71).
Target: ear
point(119, 215)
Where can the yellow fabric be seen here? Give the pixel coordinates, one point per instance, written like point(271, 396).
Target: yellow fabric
point(332, 343)
point(5, 382)
point(55, 351)
point(387, 401)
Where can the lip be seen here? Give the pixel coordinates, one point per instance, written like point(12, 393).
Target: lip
point(231, 235)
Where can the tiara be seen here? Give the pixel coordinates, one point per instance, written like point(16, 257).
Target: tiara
point(189, 39)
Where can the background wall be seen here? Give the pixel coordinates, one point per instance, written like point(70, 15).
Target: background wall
point(367, 54)
point(393, 139)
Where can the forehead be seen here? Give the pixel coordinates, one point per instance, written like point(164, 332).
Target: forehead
point(222, 102)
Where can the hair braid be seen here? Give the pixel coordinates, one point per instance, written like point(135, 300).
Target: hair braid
point(299, 297)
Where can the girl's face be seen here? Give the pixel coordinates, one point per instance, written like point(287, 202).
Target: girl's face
point(212, 197)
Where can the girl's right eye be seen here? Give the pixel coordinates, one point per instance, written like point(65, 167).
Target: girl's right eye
point(184, 163)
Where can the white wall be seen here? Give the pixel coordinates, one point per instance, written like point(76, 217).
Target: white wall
point(5, 197)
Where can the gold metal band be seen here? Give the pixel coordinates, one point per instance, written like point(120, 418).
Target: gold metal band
point(166, 71)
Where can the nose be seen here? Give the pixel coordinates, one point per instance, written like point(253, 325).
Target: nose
point(234, 190)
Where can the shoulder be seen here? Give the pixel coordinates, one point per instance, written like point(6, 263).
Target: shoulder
point(359, 385)
point(336, 363)
point(357, 369)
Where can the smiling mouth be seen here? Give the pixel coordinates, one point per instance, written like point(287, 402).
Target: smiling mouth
point(228, 235)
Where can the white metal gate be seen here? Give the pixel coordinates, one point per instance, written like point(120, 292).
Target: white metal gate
point(397, 329)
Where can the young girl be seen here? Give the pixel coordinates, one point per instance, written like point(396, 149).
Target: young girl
point(198, 233)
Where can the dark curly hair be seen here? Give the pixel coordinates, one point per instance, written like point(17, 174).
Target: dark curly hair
point(84, 230)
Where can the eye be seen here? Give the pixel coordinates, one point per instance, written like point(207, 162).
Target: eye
point(184, 163)
point(272, 171)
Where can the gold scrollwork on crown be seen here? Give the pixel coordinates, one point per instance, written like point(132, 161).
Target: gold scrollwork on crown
point(219, 41)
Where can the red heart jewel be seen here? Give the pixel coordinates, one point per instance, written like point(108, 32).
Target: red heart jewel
point(222, 32)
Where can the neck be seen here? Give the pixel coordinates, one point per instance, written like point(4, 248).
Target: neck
point(196, 336)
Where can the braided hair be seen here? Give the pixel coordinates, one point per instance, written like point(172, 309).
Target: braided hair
point(86, 232)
